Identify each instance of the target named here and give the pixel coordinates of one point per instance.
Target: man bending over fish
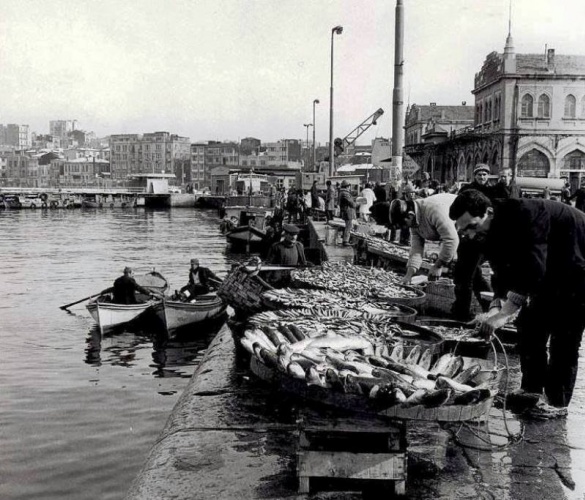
(536, 249)
(428, 219)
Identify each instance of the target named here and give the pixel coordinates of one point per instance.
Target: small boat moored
(176, 314)
(109, 315)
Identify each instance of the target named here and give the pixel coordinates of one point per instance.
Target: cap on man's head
(344, 183)
(195, 261)
(290, 228)
(127, 270)
(481, 167)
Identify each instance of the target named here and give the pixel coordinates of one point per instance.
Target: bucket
(330, 235)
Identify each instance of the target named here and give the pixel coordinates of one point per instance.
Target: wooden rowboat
(175, 315)
(109, 315)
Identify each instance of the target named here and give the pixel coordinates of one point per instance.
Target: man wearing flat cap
(346, 210)
(467, 274)
(201, 279)
(287, 252)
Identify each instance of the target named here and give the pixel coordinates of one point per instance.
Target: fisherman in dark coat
(467, 274)
(536, 249)
(201, 279)
(288, 252)
(125, 288)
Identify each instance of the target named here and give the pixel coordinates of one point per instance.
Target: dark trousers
(329, 214)
(561, 321)
(468, 277)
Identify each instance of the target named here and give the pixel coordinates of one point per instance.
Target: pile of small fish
(298, 297)
(355, 280)
(457, 333)
(352, 364)
(323, 321)
(387, 247)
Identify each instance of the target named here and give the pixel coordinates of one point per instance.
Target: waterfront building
(286, 152)
(158, 152)
(249, 146)
(529, 117)
(78, 172)
(198, 165)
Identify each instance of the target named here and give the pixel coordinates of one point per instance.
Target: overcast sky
(228, 69)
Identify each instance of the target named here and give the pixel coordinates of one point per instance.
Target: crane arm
(342, 144)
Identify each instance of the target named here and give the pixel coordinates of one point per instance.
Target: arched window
(533, 164)
(497, 108)
(543, 106)
(583, 107)
(575, 160)
(489, 109)
(485, 112)
(480, 120)
(527, 105)
(570, 105)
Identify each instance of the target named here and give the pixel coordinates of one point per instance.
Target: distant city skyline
(225, 70)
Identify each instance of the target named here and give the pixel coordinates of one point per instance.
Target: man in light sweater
(428, 219)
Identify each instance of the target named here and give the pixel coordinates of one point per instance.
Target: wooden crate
(362, 449)
(440, 297)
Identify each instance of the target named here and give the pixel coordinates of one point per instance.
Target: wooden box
(351, 447)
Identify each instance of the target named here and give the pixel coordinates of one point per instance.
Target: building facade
(158, 152)
(529, 117)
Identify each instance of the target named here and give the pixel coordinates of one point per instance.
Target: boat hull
(176, 315)
(109, 315)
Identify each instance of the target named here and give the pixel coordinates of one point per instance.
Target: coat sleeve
(417, 246)
(302, 258)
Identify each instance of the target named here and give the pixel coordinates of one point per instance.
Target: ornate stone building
(529, 116)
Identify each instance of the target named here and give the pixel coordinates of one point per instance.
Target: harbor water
(79, 412)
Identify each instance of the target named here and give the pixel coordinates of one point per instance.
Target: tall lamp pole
(315, 101)
(337, 30)
(307, 125)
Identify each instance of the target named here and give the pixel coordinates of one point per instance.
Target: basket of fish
(358, 281)
(242, 289)
(349, 372)
(381, 331)
(301, 298)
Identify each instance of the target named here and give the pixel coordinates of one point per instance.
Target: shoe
(544, 411)
(521, 401)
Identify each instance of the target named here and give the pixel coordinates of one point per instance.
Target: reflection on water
(79, 411)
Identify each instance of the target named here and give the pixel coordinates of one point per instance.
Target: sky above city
(229, 69)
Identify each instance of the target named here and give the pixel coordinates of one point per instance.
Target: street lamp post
(336, 30)
(315, 101)
(307, 125)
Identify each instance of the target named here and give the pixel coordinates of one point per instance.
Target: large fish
(448, 383)
(273, 335)
(472, 397)
(426, 359)
(441, 363)
(287, 333)
(248, 344)
(397, 353)
(333, 380)
(436, 397)
(468, 374)
(340, 343)
(258, 335)
(297, 332)
(313, 377)
(296, 371)
(414, 355)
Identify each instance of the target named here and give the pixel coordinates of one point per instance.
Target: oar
(66, 306)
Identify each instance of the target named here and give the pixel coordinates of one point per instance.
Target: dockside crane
(305, 179)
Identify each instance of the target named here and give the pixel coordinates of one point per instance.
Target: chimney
(550, 58)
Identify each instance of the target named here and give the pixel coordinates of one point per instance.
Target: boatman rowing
(125, 288)
(201, 279)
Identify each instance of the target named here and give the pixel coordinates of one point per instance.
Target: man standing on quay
(347, 210)
(467, 274)
(536, 249)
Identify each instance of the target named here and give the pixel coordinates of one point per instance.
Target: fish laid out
(319, 320)
(300, 298)
(355, 281)
(353, 364)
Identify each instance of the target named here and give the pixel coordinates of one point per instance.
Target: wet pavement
(232, 436)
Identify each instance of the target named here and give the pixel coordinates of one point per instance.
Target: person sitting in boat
(288, 252)
(125, 288)
(201, 281)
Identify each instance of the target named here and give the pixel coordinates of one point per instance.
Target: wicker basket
(440, 296)
(243, 291)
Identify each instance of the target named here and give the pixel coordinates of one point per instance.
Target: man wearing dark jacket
(346, 210)
(467, 273)
(536, 249)
(289, 252)
(125, 288)
(200, 280)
